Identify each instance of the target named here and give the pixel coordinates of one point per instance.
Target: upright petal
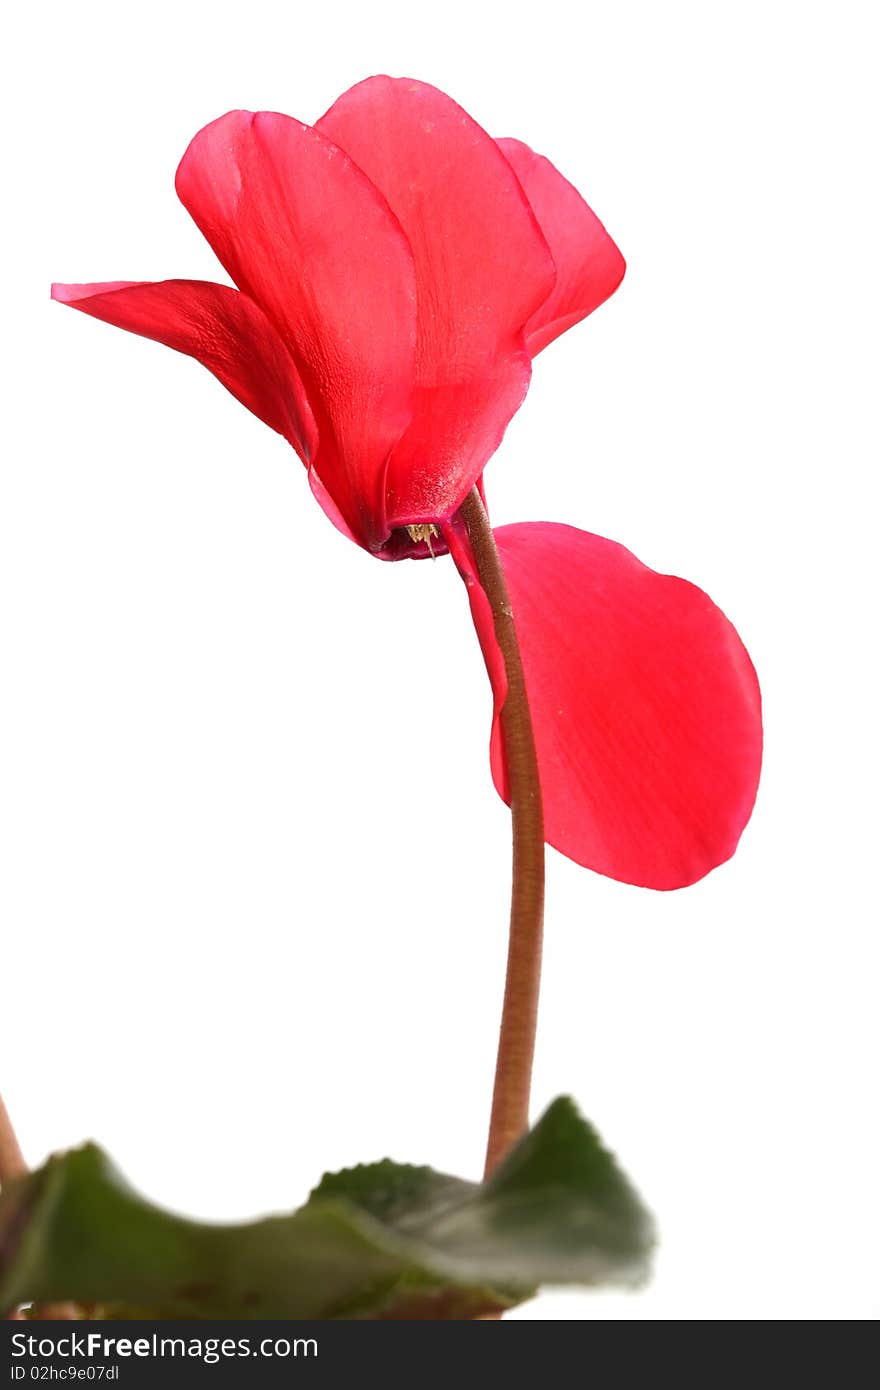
(482, 268)
(303, 231)
(589, 265)
(222, 329)
(646, 707)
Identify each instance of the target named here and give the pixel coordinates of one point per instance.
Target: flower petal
(589, 265)
(303, 232)
(646, 707)
(482, 268)
(222, 329)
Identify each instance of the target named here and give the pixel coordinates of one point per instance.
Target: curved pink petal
(329, 507)
(589, 265)
(303, 232)
(482, 268)
(222, 329)
(646, 707)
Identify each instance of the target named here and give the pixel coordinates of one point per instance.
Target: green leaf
(379, 1241)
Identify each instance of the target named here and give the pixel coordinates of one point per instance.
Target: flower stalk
(12, 1166)
(519, 1014)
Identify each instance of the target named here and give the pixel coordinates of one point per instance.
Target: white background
(254, 873)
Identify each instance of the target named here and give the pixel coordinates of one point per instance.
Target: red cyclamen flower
(397, 270)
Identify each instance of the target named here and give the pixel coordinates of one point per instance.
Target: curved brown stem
(12, 1164)
(519, 1015)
